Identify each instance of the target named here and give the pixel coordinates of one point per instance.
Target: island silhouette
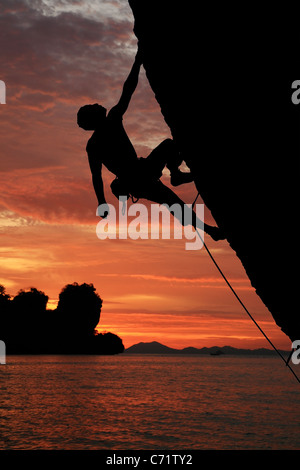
(28, 327)
(155, 347)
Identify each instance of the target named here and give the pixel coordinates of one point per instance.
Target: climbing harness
(244, 307)
(133, 199)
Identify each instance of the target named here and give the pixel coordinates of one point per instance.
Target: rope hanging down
(243, 305)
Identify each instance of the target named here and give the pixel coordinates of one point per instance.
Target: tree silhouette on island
(27, 327)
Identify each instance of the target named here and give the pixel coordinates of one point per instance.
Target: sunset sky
(56, 56)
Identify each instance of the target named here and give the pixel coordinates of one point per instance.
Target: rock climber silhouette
(139, 177)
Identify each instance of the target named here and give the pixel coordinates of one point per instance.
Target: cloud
(105, 10)
(49, 195)
(65, 56)
(57, 57)
(205, 282)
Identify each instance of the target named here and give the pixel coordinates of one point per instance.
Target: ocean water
(146, 402)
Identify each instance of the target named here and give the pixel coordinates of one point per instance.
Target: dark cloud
(61, 56)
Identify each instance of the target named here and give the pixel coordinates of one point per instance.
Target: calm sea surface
(148, 402)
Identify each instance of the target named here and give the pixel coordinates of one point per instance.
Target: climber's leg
(166, 154)
(158, 192)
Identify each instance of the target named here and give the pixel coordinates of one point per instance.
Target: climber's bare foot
(179, 177)
(216, 233)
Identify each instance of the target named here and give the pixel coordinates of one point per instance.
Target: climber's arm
(129, 86)
(96, 170)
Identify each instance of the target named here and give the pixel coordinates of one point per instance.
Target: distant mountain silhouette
(157, 348)
(151, 348)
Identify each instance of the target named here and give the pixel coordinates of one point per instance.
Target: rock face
(223, 81)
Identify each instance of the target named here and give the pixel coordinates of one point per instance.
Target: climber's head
(91, 116)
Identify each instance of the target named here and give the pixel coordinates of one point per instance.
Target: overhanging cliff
(223, 82)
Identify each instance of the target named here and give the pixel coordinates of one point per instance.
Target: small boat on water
(218, 352)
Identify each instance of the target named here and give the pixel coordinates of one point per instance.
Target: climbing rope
(237, 297)
(195, 200)
(243, 305)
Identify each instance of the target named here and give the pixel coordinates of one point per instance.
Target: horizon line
(204, 347)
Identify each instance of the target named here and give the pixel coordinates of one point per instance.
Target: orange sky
(59, 56)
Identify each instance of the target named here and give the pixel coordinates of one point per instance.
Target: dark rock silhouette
(27, 327)
(28, 316)
(79, 308)
(221, 78)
